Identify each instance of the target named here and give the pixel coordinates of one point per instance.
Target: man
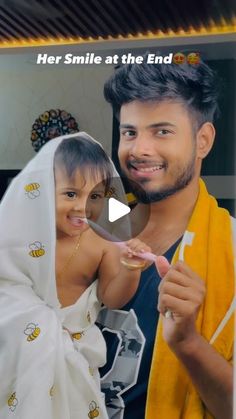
(174, 362)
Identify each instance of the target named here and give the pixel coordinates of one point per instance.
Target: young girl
(55, 272)
(83, 174)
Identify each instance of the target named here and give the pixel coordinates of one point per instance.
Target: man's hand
(182, 292)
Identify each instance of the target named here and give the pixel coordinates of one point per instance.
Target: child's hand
(131, 251)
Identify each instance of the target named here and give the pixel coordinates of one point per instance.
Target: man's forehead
(150, 112)
(152, 104)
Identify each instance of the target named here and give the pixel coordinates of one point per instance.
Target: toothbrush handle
(100, 230)
(145, 255)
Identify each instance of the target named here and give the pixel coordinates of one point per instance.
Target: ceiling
(45, 22)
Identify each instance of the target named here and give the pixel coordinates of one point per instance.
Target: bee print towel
(49, 355)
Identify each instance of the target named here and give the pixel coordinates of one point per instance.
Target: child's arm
(119, 273)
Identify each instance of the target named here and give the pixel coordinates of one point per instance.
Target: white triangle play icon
(116, 210)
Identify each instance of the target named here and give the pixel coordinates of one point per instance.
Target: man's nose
(141, 146)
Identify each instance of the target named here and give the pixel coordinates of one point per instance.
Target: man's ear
(205, 139)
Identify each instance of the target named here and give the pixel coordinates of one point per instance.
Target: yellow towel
(171, 394)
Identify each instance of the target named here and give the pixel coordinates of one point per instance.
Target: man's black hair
(195, 86)
(80, 153)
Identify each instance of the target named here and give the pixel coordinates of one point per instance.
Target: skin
(76, 199)
(167, 170)
(116, 284)
(161, 136)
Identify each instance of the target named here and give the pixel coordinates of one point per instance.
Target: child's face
(77, 199)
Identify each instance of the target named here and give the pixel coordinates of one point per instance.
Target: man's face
(157, 147)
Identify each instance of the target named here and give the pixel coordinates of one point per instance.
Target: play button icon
(109, 215)
(116, 209)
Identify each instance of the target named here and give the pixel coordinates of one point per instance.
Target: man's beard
(148, 197)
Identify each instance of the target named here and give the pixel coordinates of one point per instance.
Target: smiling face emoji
(193, 58)
(179, 58)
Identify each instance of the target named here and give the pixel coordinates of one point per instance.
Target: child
(82, 176)
(49, 295)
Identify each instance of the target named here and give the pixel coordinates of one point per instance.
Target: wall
(27, 90)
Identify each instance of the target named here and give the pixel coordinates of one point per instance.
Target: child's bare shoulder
(101, 247)
(94, 241)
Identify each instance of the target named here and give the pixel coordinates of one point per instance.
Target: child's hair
(85, 155)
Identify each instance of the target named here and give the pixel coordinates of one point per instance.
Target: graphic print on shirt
(12, 402)
(124, 370)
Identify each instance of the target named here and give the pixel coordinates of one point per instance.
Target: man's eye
(163, 132)
(70, 194)
(128, 133)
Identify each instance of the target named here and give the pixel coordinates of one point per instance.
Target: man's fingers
(162, 265)
(182, 267)
(181, 292)
(180, 308)
(181, 279)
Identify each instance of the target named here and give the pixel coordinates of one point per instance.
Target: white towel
(44, 374)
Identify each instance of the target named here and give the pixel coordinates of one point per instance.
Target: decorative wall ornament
(51, 124)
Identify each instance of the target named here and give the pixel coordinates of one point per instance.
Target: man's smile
(144, 168)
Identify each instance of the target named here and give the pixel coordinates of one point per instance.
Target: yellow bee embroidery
(32, 331)
(91, 371)
(32, 190)
(77, 335)
(51, 391)
(36, 249)
(88, 317)
(93, 410)
(12, 402)
(111, 193)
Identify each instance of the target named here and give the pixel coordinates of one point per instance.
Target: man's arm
(182, 292)
(211, 374)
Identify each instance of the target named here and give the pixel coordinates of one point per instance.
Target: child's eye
(95, 196)
(70, 194)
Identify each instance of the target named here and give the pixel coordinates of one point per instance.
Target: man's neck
(169, 218)
(177, 207)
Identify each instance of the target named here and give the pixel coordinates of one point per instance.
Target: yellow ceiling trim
(224, 28)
